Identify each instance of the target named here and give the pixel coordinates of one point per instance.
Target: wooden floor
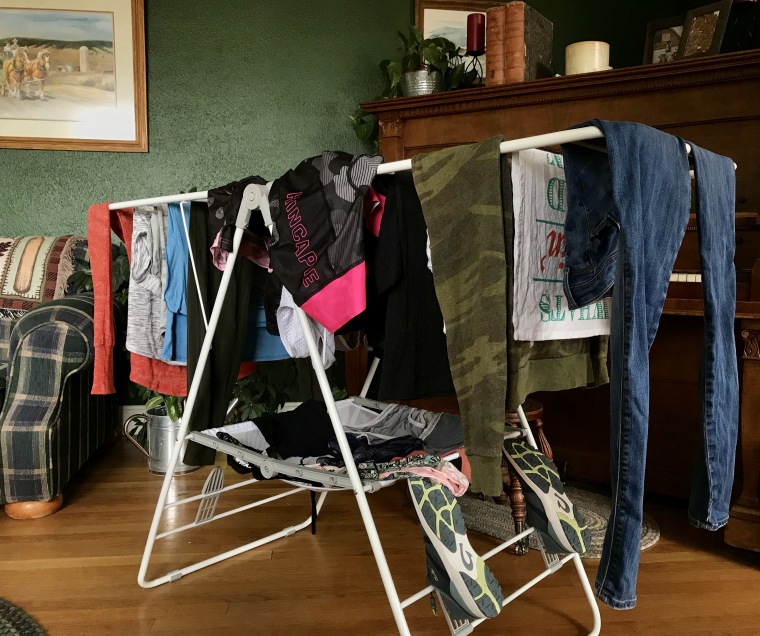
(75, 571)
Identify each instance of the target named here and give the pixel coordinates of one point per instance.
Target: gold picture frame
(83, 83)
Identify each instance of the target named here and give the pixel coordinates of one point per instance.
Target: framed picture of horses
(73, 75)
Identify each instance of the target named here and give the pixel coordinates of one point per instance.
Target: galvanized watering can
(155, 435)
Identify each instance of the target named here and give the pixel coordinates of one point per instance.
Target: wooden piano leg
(743, 529)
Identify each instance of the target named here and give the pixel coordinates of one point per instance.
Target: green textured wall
(235, 87)
(240, 87)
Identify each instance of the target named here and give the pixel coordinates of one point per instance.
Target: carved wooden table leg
(743, 529)
(533, 411)
(516, 500)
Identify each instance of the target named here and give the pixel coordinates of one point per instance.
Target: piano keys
(685, 291)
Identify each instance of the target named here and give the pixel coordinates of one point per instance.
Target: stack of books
(518, 44)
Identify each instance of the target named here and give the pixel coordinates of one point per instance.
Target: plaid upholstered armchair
(50, 425)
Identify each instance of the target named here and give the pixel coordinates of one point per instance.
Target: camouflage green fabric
(459, 189)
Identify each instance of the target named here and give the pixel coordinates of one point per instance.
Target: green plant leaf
(339, 394)
(154, 402)
(77, 278)
(470, 78)
(394, 71)
(364, 124)
(415, 36)
(142, 393)
(456, 77)
(174, 408)
(124, 269)
(432, 54)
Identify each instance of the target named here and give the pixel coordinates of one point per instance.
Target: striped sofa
(50, 425)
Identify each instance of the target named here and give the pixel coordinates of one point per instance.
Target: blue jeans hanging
(627, 214)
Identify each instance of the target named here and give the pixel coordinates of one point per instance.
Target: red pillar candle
(476, 34)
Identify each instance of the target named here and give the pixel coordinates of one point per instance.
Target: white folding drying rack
(256, 197)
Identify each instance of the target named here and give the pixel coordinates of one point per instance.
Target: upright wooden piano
(712, 101)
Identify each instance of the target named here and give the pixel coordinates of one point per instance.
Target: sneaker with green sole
(454, 567)
(548, 508)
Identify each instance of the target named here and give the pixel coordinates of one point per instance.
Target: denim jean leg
(646, 253)
(616, 576)
(632, 212)
(651, 187)
(718, 378)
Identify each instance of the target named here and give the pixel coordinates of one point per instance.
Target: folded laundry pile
(397, 442)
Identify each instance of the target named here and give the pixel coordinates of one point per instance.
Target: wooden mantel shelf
(712, 101)
(728, 67)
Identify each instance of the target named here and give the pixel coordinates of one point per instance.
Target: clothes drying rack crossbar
(256, 198)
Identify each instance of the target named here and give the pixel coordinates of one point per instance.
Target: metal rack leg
(191, 398)
(361, 497)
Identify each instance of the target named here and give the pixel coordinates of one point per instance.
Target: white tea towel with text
(540, 310)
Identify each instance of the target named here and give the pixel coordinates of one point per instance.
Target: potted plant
(265, 391)
(427, 65)
(424, 66)
(160, 404)
(154, 432)
(81, 280)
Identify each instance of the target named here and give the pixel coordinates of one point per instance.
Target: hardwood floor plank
(76, 571)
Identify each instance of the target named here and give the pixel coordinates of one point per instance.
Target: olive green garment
(460, 192)
(472, 262)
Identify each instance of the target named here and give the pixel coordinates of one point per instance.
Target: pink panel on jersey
(340, 300)
(374, 205)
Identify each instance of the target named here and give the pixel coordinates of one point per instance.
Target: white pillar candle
(587, 57)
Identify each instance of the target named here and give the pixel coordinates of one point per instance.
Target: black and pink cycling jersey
(318, 248)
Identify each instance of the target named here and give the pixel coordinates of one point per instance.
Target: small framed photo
(703, 30)
(663, 39)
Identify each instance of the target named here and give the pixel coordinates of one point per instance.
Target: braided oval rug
(16, 622)
(495, 520)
